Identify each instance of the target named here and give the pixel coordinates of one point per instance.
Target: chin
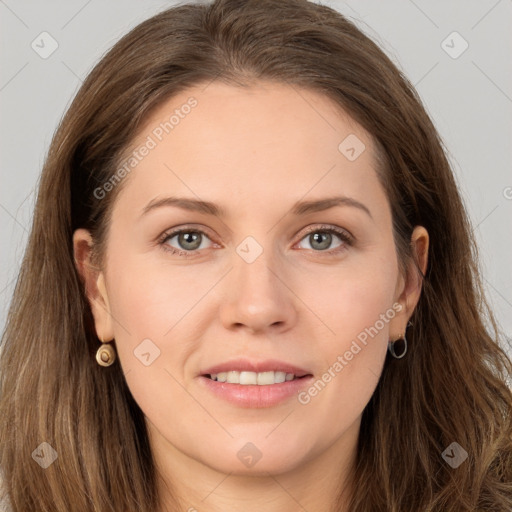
(248, 459)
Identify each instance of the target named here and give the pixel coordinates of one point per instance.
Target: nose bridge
(254, 272)
(257, 297)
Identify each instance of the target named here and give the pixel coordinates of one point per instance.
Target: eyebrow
(209, 208)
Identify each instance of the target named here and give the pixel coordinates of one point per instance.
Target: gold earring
(106, 354)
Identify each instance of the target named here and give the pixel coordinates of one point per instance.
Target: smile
(252, 378)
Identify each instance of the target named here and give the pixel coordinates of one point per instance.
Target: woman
(181, 340)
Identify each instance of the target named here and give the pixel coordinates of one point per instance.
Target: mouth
(248, 378)
(248, 372)
(255, 385)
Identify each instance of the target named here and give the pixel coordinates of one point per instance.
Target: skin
(255, 152)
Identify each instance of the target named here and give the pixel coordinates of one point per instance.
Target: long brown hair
(452, 385)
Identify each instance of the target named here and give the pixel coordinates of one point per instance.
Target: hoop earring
(398, 348)
(106, 354)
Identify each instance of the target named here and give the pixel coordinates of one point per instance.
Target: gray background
(469, 99)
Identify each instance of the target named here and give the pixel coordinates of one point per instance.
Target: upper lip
(245, 365)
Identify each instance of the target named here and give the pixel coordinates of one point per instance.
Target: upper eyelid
(327, 227)
(171, 233)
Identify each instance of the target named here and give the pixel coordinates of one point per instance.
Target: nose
(258, 297)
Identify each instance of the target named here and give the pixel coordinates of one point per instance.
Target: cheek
(357, 305)
(360, 302)
(159, 309)
(352, 296)
(151, 302)
(150, 295)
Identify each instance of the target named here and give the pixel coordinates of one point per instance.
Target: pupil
(189, 238)
(326, 242)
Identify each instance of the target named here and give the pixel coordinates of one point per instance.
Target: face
(277, 280)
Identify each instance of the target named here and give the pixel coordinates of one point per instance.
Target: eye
(320, 238)
(188, 241)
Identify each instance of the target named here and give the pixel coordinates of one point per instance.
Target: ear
(409, 287)
(413, 281)
(94, 282)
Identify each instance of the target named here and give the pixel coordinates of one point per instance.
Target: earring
(398, 348)
(106, 354)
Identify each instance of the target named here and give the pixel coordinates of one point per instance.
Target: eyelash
(345, 237)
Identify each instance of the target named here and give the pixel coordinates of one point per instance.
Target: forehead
(245, 143)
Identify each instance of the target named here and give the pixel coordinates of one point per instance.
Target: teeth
(247, 378)
(253, 378)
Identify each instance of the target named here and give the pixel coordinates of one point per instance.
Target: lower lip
(253, 396)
